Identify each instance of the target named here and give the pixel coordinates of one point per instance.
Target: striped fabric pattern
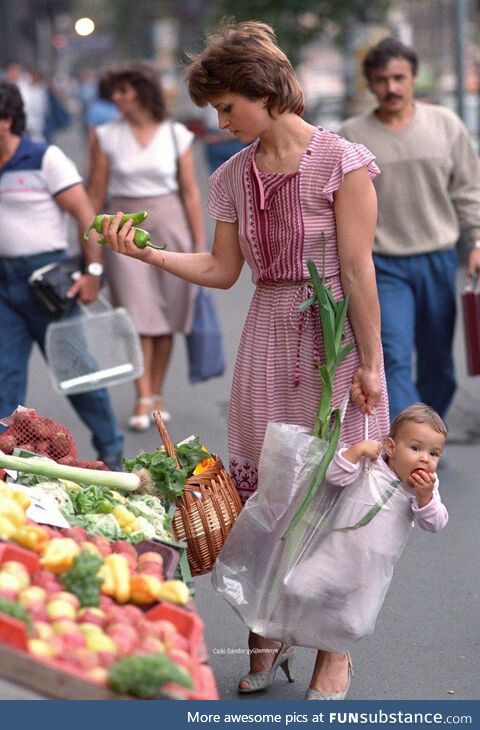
(282, 220)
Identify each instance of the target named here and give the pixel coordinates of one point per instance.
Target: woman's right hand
(366, 389)
(120, 240)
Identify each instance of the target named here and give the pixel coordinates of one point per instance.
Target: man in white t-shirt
(38, 186)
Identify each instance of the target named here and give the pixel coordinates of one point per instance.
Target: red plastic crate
(10, 551)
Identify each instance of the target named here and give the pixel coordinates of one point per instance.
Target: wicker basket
(205, 511)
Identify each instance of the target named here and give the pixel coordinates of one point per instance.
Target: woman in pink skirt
(297, 192)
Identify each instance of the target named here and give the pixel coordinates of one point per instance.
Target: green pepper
(97, 223)
(141, 239)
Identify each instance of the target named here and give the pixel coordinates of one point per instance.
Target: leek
(111, 479)
(327, 422)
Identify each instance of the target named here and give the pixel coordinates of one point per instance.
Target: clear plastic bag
(323, 585)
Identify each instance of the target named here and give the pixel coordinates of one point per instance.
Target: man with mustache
(429, 191)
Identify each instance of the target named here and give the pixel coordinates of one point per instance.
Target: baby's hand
(369, 449)
(423, 482)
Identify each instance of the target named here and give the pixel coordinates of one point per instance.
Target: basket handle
(167, 442)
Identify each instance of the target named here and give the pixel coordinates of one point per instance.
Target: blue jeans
(417, 301)
(23, 321)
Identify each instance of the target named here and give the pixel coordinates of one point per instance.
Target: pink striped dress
(282, 219)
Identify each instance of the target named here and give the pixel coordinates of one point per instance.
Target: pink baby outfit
(282, 222)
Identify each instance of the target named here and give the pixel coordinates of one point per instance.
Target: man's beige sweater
(429, 187)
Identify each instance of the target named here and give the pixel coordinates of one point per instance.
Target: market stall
(96, 590)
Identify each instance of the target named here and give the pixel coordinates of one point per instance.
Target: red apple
(99, 675)
(106, 658)
(73, 640)
(40, 647)
(60, 609)
(125, 645)
(43, 630)
(150, 557)
(132, 613)
(179, 656)
(102, 544)
(10, 586)
(106, 602)
(124, 548)
(33, 597)
(151, 645)
(118, 627)
(14, 567)
(84, 658)
(92, 615)
(66, 596)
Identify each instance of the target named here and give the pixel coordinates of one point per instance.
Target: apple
(73, 640)
(88, 628)
(88, 546)
(92, 615)
(125, 645)
(106, 658)
(32, 597)
(13, 567)
(84, 658)
(132, 613)
(98, 675)
(115, 613)
(179, 656)
(79, 534)
(124, 548)
(151, 568)
(43, 630)
(98, 641)
(58, 609)
(151, 645)
(106, 602)
(40, 647)
(10, 585)
(162, 629)
(102, 544)
(64, 626)
(150, 557)
(122, 628)
(66, 596)
(39, 613)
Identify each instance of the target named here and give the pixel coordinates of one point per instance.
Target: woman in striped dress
(296, 192)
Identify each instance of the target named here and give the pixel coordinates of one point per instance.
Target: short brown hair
(389, 48)
(245, 59)
(145, 78)
(418, 413)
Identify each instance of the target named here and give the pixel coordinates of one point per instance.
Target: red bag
(471, 322)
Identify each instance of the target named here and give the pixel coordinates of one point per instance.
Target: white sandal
(318, 694)
(264, 679)
(164, 414)
(143, 421)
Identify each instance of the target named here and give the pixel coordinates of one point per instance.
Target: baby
(412, 451)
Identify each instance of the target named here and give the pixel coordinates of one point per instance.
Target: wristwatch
(95, 269)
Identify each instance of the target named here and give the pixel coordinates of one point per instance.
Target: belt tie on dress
(305, 316)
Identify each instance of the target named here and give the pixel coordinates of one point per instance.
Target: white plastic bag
(323, 585)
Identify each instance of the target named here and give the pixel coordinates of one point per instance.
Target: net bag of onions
(41, 435)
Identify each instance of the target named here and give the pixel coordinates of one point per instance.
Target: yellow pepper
(126, 519)
(144, 588)
(7, 528)
(16, 494)
(59, 554)
(11, 510)
(204, 464)
(174, 591)
(116, 577)
(33, 537)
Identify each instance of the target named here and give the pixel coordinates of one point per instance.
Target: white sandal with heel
(318, 694)
(141, 421)
(264, 679)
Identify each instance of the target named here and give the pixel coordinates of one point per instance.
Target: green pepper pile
(82, 578)
(144, 675)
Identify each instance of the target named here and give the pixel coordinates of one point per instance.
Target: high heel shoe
(141, 421)
(261, 680)
(318, 694)
(158, 406)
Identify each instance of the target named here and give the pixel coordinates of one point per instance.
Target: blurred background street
(427, 641)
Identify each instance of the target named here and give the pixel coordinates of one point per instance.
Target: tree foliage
(296, 22)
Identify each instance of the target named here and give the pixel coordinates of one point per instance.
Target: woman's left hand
(121, 240)
(366, 389)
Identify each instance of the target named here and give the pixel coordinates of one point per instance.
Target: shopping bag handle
(100, 298)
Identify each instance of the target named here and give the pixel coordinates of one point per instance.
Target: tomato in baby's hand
(421, 473)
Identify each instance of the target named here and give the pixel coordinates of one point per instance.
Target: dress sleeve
(220, 204)
(348, 156)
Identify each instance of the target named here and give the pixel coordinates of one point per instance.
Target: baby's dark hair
(418, 413)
